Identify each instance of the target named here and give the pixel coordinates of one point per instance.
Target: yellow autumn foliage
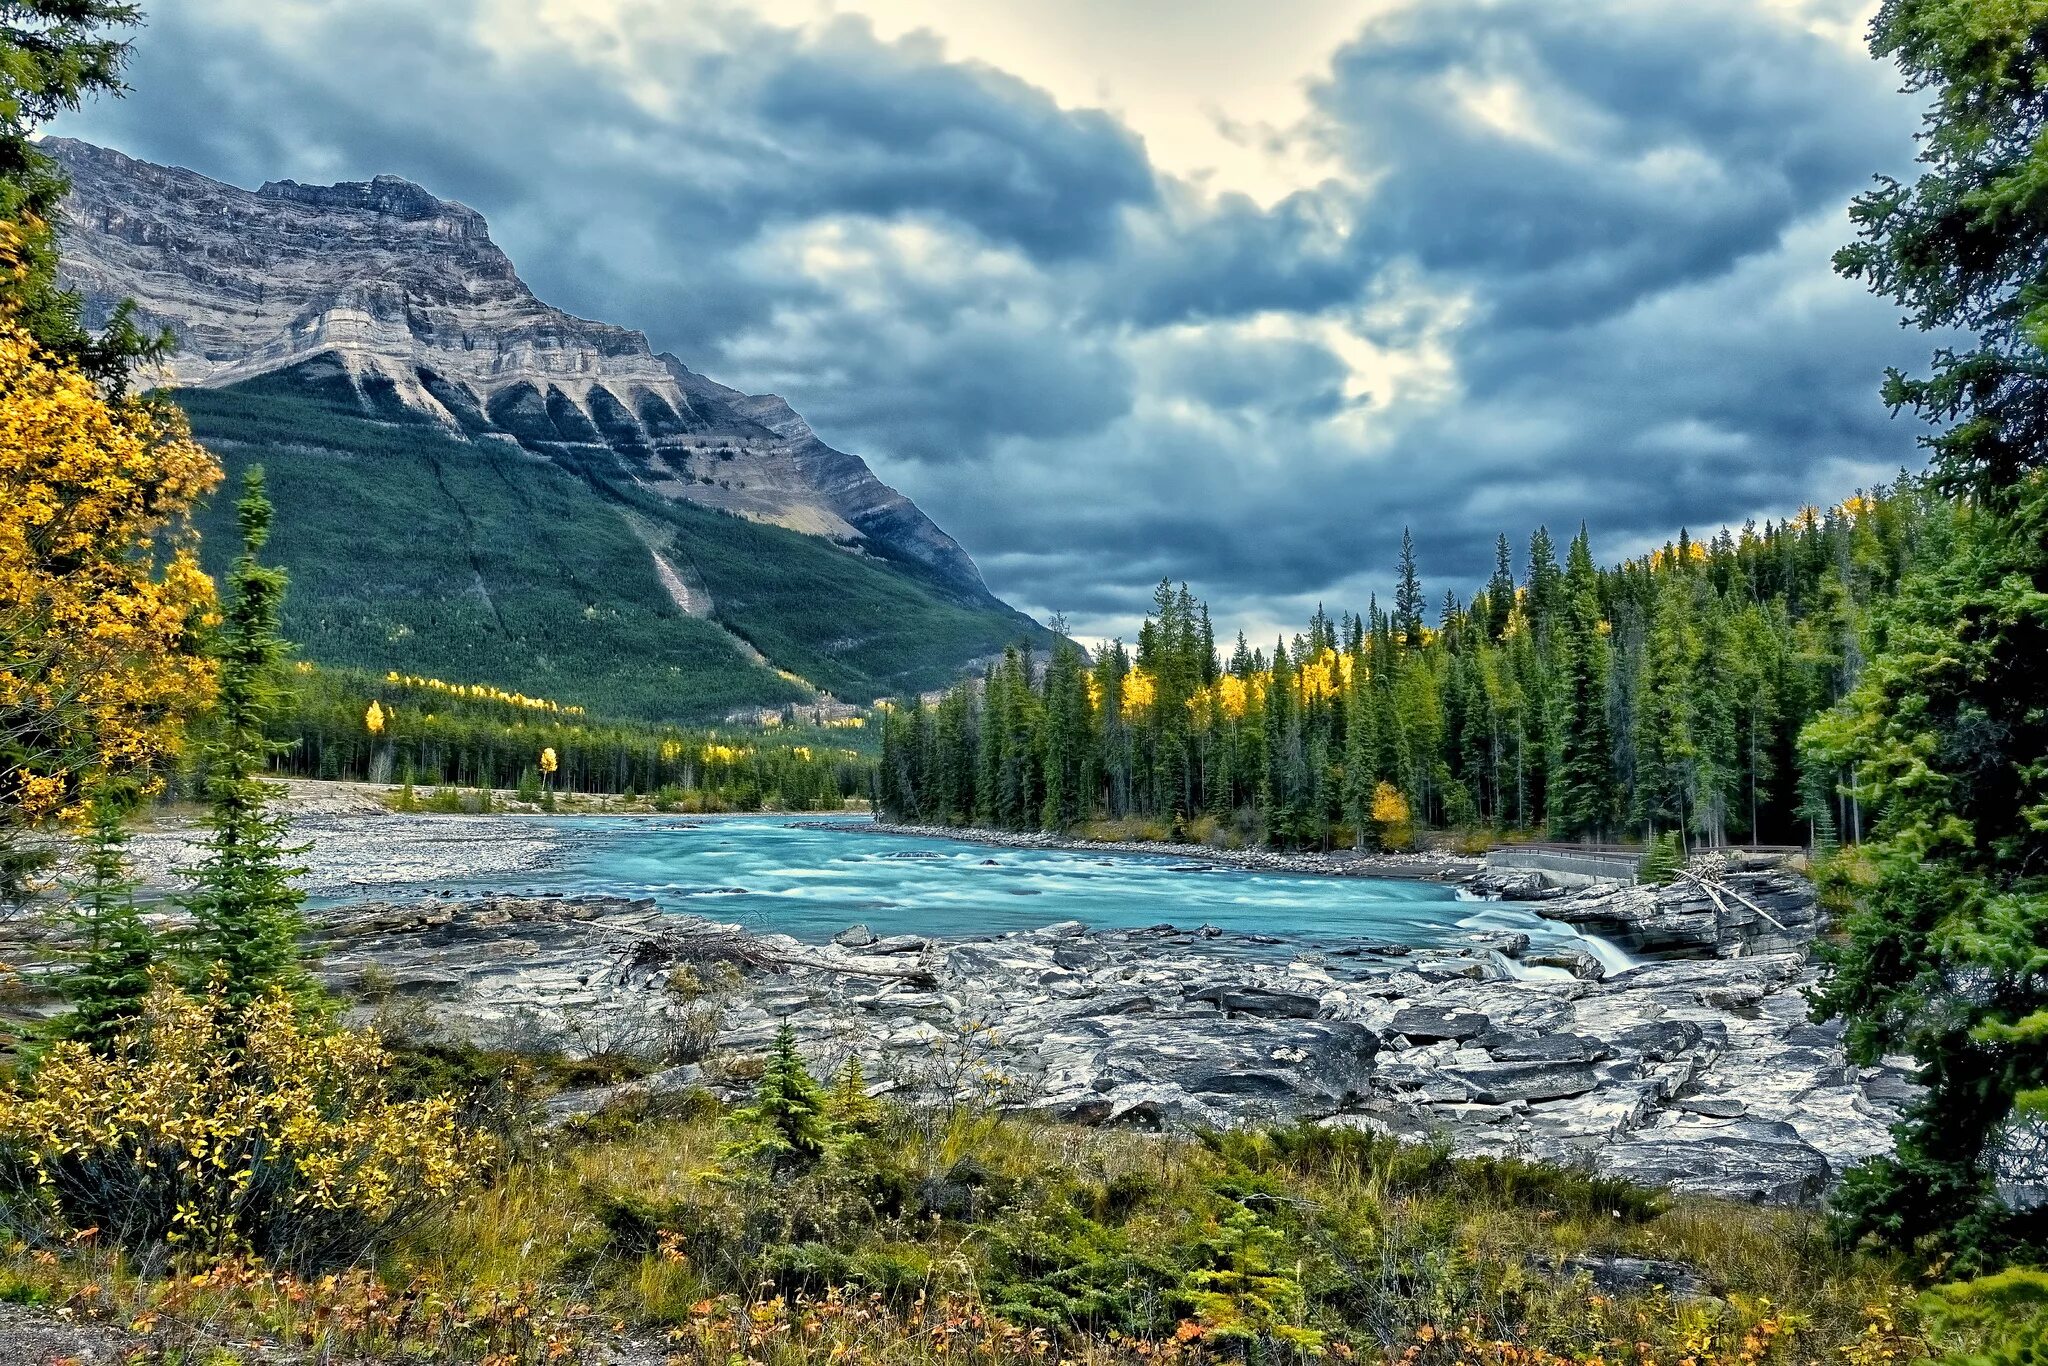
(1317, 679)
(217, 1131)
(373, 718)
(1667, 556)
(99, 666)
(1233, 695)
(1141, 690)
(482, 692)
(1391, 814)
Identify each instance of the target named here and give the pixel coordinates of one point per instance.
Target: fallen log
(1714, 890)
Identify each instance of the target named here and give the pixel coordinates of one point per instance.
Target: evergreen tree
(1408, 601)
(1663, 860)
(1580, 771)
(1546, 585)
(116, 951)
(1945, 729)
(1671, 688)
(1067, 738)
(789, 1123)
(245, 910)
(54, 55)
(1500, 589)
(851, 1109)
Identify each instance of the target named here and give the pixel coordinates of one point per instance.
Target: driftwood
(1714, 890)
(704, 941)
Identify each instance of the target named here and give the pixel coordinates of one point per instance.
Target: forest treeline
(398, 728)
(1666, 693)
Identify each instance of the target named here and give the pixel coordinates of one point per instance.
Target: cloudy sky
(1227, 290)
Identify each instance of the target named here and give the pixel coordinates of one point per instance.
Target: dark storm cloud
(888, 132)
(1289, 378)
(1591, 236)
(1573, 157)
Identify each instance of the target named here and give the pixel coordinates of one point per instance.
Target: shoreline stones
(1747, 911)
(1701, 1074)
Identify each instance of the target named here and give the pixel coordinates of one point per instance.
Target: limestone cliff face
(387, 293)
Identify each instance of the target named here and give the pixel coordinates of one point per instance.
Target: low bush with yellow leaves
(211, 1131)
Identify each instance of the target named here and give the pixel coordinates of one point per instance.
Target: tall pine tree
(1946, 732)
(1581, 796)
(245, 909)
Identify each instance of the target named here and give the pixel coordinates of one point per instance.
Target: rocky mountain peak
(388, 195)
(382, 295)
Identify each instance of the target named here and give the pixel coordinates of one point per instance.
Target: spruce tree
(1946, 731)
(1546, 585)
(789, 1123)
(1581, 795)
(115, 951)
(1667, 716)
(1408, 603)
(1500, 589)
(54, 55)
(245, 910)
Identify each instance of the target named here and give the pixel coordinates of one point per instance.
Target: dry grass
(967, 1235)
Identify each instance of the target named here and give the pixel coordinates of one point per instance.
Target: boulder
(1548, 1048)
(1577, 962)
(1613, 1273)
(1509, 943)
(1498, 1083)
(1428, 1024)
(855, 937)
(1455, 969)
(1264, 1001)
(1657, 1040)
(900, 943)
(1519, 884)
(1764, 1162)
(1737, 998)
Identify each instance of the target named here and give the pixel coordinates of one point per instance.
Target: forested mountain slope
(470, 482)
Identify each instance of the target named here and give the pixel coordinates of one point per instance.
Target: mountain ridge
(472, 483)
(404, 297)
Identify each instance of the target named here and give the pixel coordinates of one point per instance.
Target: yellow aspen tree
(100, 659)
(1391, 814)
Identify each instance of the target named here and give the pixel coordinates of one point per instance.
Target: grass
(970, 1235)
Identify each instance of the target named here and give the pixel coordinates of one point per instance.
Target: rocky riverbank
(1700, 1074)
(358, 846)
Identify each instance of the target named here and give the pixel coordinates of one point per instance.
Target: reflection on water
(778, 873)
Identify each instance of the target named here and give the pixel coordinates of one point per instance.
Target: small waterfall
(1612, 956)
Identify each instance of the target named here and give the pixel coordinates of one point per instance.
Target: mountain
(472, 482)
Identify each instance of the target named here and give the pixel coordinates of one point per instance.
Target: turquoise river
(812, 878)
